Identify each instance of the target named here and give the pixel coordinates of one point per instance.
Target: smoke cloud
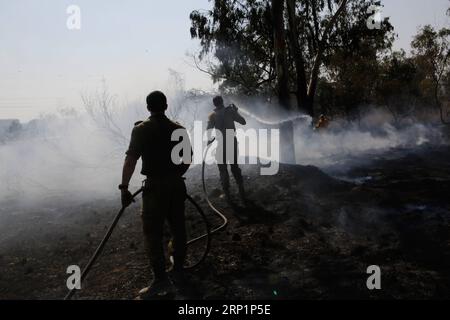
(78, 155)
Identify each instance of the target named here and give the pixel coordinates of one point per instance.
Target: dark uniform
(165, 191)
(222, 119)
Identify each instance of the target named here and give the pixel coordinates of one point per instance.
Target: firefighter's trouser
(163, 199)
(232, 160)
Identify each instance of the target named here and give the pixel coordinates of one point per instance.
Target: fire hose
(207, 235)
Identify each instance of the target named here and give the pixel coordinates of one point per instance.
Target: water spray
(275, 123)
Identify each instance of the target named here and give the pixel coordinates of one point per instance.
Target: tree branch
(318, 59)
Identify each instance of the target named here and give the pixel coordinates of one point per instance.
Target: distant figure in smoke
(323, 123)
(222, 119)
(164, 190)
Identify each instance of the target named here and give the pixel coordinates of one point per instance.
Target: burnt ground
(306, 235)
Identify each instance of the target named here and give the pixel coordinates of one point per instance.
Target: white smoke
(374, 133)
(68, 157)
(79, 155)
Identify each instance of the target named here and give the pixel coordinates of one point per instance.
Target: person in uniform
(223, 119)
(164, 189)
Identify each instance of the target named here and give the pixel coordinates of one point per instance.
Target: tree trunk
(312, 87)
(287, 146)
(279, 42)
(303, 101)
(439, 104)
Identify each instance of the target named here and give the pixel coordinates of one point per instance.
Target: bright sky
(132, 44)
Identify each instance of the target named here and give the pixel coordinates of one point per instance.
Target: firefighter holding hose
(223, 119)
(164, 190)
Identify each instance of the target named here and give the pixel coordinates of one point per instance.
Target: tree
(280, 54)
(353, 68)
(431, 51)
(182, 102)
(286, 48)
(254, 42)
(397, 88)
(239, 36)
(100, 106)
(319, 43)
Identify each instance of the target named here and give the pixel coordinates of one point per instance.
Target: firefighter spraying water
(222, 119)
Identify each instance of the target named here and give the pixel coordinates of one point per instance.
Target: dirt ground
(305, 235)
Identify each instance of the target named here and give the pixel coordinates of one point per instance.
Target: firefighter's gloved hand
(126, 197)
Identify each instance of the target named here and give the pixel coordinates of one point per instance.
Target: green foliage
(240, 36)
(352, 64)
(431, 51)
(431, 54)
(358, 66)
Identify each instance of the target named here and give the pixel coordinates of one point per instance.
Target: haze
(44, 66)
